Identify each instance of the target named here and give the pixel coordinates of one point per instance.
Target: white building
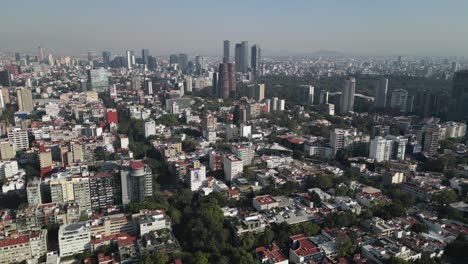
(153, 221)
(19, 137)
(454, 129)
(150, 128)
(244, 152)
(196, 175)
(8, 169)
(381, 149)
(233, 167)
(74, 239)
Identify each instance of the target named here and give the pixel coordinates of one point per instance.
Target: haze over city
(358, 27)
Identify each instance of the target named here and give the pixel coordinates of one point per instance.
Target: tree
(201, 258)
(396, 260)
(315, 198)
(457, 250)
(324, 182)
(419, 228)
(444, 197)
(160, 257)
(344, 246)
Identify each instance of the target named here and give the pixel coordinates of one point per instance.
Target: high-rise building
(196, 175)
(25, 103)
(244, 56)
(431, 137)
(183, 62)
(74, 239)
(199, 65)
(256, 61)
(258, 92)
(399, 100)
(306, 94)
(149, 86)
(90, 57)
(380, 99)
(17, 56)
(137, 182)
(5, 78)
(381, 149)
(150, 128)
(214, 85)
(173, 59)
(98, 80)
(233, 167)
(323, 97)
(144, 56)
(106, 59)
(226, 48)
(151, 63)
(102, 191)
(238, 57)
(460, 95)
(129, 59)
(226, 81)
(347, 95)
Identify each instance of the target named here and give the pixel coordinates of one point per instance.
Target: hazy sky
(408, 27)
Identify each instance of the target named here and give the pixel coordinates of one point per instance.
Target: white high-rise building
(244, 152)
(281, 104)
(323, 97)
(380, 99)
(399, 100)
(129, 59)
(19, 137)
(196, 175)
(347, 96)
(399, 147)
(150, 128)
(381, 149)
(274, 104)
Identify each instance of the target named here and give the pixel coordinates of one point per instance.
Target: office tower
(144, 56)
(460, 95)
(106, 59)
(323, 97)
(90, 57)
(199, 65)
(51, 60)
(173, 59)
(381, 93)
(102, 191)
(5, 78)
(347, 95)
(151, 63)
(188, 84)
(214, 85)
(244, 56)
(399, 100)
(183, 62)
(137, 182)
(17, 56)
(25, 103)
(399, 147)
(98, 80)
(226, 48)
(258, 92)
(238, 57)
(149, 86)
(226, 81)
(27, 59)
(129, 59)
(306, 94)
(256, 61)
(41, 54)
(243, 152)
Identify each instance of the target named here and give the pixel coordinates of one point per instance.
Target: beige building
(7, 150)
(23, 247)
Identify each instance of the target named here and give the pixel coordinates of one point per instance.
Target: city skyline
(358, 28)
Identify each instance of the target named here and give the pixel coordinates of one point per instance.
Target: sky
(356, 27)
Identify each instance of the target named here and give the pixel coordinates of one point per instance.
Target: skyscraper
(460, 95)
(244, 56)
(41, 54)
(173, 59)
(136, 182)
(152, 63)
(199, 65)
(258, 92)
(144, 56)
(347, 96)
(129, 59)
(255, 60)
(306, 94)
(106, 59)
(381, 93)
(98, 80)
(226, 48)
(399, 100)
(90, 57)
(226, 81)
(5, 78)
(17, 56)
(183, 61)
(238, 57)
(25, 103)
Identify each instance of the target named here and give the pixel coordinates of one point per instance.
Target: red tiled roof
(14, 241)
(137, 165)
(265, 199)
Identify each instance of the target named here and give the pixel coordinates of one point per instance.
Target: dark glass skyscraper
(238, 57)
(255, 60)
(380, 99)
(245, 56)
(106, 58)
(226, 48)
(460, 94)
(144, 56)
(98, 80)
(17, 56)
